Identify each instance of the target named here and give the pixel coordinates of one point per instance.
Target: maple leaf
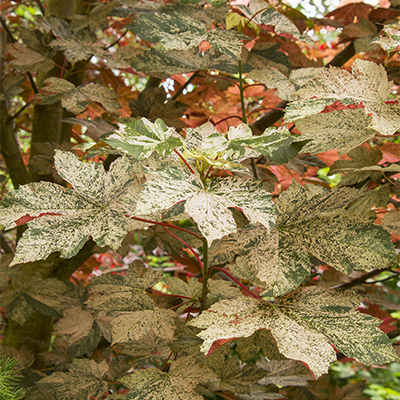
(306, 225)
(228, 42)
(178, 384)
(208, 206)
(367, 86)
(378, 197)
(124, 293)
(136, 325)
(95, 207)
(304, 323)
(29, 60)
(82, 329)
(76, 99)
(391, 222)
(173, 31)
(83, 380)
(34, 294)
(141, 137)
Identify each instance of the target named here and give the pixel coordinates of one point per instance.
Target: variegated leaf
(228, 42)
(29, 60)
(76, 99)
(174, 31)
(208, 206)
(136, 325)
(83, 381)
(343, 130)
(368, 88)
(304, 324)
(390, 40)
(140, 138)
(178, 384)
(96, 207)
(82, 329)
(391, 222)
(124, 293)
(378, 197)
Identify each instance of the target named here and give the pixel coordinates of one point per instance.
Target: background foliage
(288, 126)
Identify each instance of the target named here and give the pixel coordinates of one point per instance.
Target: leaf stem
(170, 295)
(184, 161)
(236, 281)
(184, 86)
(204, 293)
(244, 118)
(188, 246)
(224, 119)
(165, 224)
(166, 361)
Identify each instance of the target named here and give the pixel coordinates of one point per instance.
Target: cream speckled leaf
(142, 137)
(83, 331)
(391, 222)
(124, 292)
(95, 207)
(367, 86)
(228, 42)
(390, 40)
(76, 99)
(342, 130)
(304, 324)
(135, 325)
(178, 384)
(29, 60)
(208, 207)
(84, 380)
(173, 31)
(181, 288)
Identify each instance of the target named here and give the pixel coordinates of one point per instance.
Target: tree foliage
(237, 166)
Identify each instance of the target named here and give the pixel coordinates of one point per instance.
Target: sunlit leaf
(390, 40)
(304, 323)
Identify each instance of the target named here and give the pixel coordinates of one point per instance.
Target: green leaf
(76, 99)
(228, 42)
(208, 206)
(174, 31)
(140, 138)
(29, 60)
(83, 380)
(303, 324)
(96, 207)
(368, 88)
(178, 384)
(124, 293)
(136, 325)
(82, 329)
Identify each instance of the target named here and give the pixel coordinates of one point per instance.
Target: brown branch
(361, 279)
(184, 86)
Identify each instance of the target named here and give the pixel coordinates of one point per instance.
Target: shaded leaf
(303, 323)
(29, 60)
(83, 380)
(77, 99)
(378, 197)
(391, 222)
(228, 42)
(186, 341)
(178, 384)
(94, 208)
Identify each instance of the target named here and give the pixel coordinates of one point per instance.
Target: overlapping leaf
(228, 42)
(95, 207)
(304, 324)
(367, 88)
(178, 384)
(84, 380)
(391, 222)
(27, 59)
(208, 206)
(124, 293)
(76, 99)
(140, 138)
(280, 259)
(390, 40)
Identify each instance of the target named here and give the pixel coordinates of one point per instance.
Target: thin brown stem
(224, 119)
(166, 361)
(184, 86)
(184, 161)
(236, 281)
(361, 279)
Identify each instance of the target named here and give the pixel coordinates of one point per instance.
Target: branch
(361, 279)
(184, 86)
(4, 245)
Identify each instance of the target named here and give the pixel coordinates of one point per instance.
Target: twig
(254, 168)
(116, 42)
(236, 281)
(41, 8)
(395, 274)
(224, 119)
(188, 246)
(4, 245)
(361, 279)
(166, 361)
(184, 86)
(20, 110)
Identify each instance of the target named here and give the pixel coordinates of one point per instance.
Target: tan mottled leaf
(178, 384)
(83, 380)
(77, 99)
(390, 40)
(228, 42)
(378, 197)
(391, 222)
(136, 325)
(96, 207)
(29, 60)
(303, 324)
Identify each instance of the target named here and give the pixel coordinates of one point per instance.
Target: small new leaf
(304, 323)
